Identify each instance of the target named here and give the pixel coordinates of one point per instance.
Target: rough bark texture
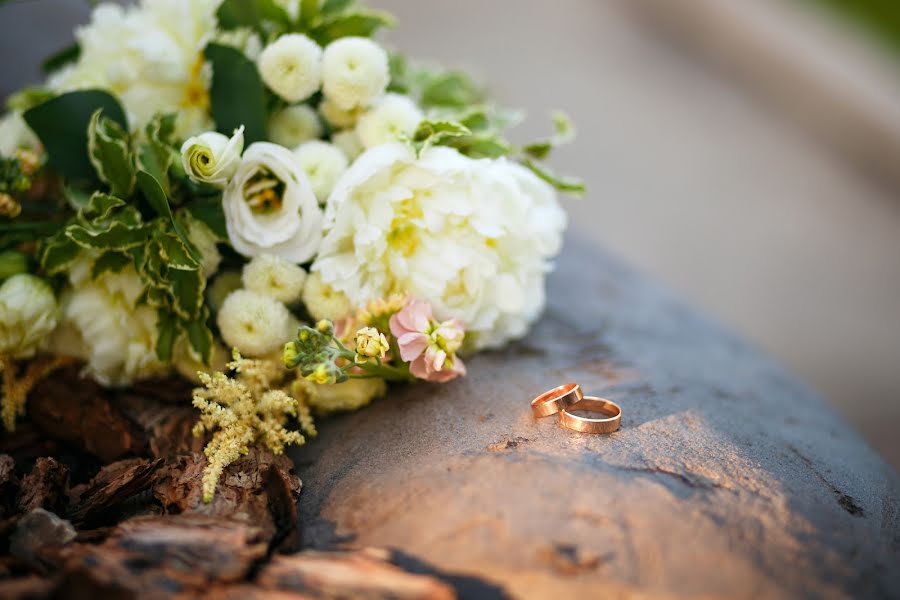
(728, 477)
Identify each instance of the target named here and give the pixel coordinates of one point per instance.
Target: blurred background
(746, 153)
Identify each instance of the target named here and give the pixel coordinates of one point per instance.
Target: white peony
(294, 125)
(118, 336)
(270, 207)
(15, 134)
(324, 302)
(150, 56)
(28, 314)
(337, 117)
(323, 164)
(354, 72)
(212, 157)
(472, 237)
(349, 144)
(274, 277)
(254, 324)
(292, 67)
(392, 118)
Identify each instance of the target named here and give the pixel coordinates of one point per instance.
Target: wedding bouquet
(258, 196)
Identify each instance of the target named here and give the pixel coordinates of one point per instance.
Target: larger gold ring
(607, 424)
(557, 399)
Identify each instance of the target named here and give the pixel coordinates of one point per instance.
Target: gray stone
(38, 529)
(727, 478)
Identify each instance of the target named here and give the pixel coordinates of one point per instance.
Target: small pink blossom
(429, 346)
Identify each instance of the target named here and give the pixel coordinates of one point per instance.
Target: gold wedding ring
(609, 423)
(556, 400)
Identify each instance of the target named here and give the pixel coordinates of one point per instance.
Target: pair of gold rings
(568, 398)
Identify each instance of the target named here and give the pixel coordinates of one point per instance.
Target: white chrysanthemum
(292, 67)
(15, 134)
(393, 117)
(254, 324)
(349, 144)
(337, 117)
(354, 72)
(323, 164)
(150, 56)
(472, 237)
(324, 302)
(203, 238)
(117, 334)
(270, 208)
(294, 125)
(221, 287)
(274, 277)
(28, 314)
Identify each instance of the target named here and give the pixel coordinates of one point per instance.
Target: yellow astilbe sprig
(245, 410)
(16, 386)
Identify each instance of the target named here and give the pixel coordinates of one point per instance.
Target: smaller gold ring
(608, 424)
(557, 399)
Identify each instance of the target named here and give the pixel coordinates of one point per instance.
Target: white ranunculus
(472, 237)
(291, 66)
(118, 336)
(354, 72)
(212, 157)
(294, 125)
(349, 143)
(323, 163)
(254, 324)
(274, 277)
(270, 207)
(392, 118)
(150, 56)
(28, 314)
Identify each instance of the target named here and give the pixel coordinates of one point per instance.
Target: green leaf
(487, 146)
(62, 126)
(450, 89)
(115, 235)
(200, 337)
(358, 22)
(309, 12)
(251, 13)
(61, 58)
(168, 328)
(100, 206)
(155, 195)
(209, 212)
(187, 292)
(330, 7)
(563, 133)
(431, 133)
(157, 154)
(109, 149)
(110, 261)
(28, 98)
(569, 185)
(237, 94)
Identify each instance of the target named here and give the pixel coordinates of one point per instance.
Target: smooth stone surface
(728, 477)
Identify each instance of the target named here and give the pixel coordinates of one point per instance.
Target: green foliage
(109, 150)
(157, 152)
(430, 133)
(28, 98)
(61, 58)
(350, 21)
(261, 15)
(566, 184)
(237, 94)
(61, 123)
(563, 133)
(209, 212)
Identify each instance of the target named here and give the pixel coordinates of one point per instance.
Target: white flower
(150, 56)
(221, 287)
(202, 237)
(28, 313)
(274, 277)
(270, 207)
(323, 163)
(474, 238)
(15, 134)
(324, 302)
(349, 395)
(337, 117)
(349, 143)
(212, 157)
(254, 324)
(242, 38)
(294, 125)
(393, 117)
(354, 72)
(292, 67)
(118, 336)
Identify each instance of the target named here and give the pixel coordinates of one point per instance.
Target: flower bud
(325, 326)
(370, 343)
(291, 355)
(211, 157)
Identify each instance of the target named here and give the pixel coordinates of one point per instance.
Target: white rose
(349, 143)
(28, 313)
(472, 237)
(274, 277)
(354, 72)
(324, 302)
(292, 67)
(294, 125)
(211, 157)
(393, 117)
(323, 163)
(270, 207)
(254, 324)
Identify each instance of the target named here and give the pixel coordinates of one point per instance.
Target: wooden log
(728, 478)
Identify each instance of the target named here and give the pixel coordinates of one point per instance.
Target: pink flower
(429, 346)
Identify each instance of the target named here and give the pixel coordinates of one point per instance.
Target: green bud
(291, 355)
